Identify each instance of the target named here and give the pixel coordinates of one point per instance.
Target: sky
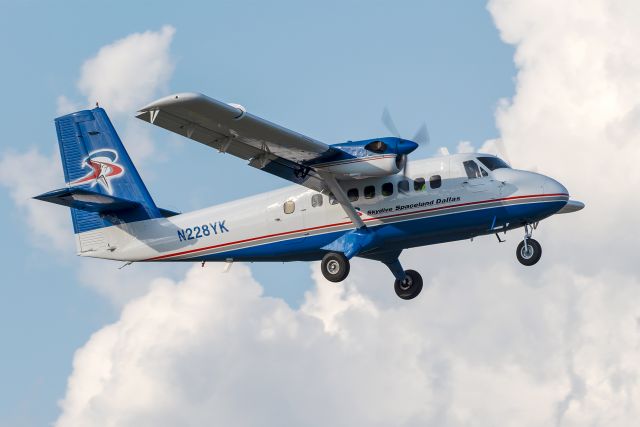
(487, 342)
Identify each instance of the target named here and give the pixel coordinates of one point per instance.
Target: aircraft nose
(551, 186)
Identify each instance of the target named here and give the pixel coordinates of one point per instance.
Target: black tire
(410, 287)
(335, 267)
(532, 256)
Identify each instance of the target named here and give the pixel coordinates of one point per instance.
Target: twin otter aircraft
(358, 198)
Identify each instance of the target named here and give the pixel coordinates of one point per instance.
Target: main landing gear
(408, 284)
(335, 267)
(529, 250)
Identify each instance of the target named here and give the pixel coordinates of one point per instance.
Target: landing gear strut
(529, 250)
(335, 267)
(408, 283)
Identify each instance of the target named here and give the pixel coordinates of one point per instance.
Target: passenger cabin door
(284, 223)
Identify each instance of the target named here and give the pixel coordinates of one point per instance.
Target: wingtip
(173, 99)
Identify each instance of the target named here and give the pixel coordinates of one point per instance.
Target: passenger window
(387, 189)
(289, 207)
(419, 184)
(403, 186)
(353, 194)
(369, 192)
(435, 181)
(316, 200)
(332, 199)
(484, 172)
(472, 169)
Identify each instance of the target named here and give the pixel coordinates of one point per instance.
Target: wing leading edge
(229, 128)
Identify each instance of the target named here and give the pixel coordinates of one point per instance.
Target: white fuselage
(292, 224)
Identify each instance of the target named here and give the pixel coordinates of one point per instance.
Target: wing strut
(342, 198)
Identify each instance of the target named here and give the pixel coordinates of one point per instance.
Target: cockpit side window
(472, 169)
(493, 163)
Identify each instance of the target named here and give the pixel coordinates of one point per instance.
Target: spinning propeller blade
(421, 137)
(387, 121)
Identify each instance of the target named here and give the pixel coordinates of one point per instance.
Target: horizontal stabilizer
(166, 213)
(87, 200)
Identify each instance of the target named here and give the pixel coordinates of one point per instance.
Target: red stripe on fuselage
(251, 239)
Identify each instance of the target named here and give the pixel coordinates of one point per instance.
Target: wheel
(410, 287)
(335, 267)
(531, 254)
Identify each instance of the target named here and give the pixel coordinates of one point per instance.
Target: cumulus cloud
(465, 147)
(123, 75)
(28, 174)
(127, 73)
(487, 343)
(574, 113)
(211, 346)
(120, 283)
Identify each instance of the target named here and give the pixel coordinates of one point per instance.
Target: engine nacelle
(363, 167)
(367, 159)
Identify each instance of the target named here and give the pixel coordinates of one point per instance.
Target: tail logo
(103, 168)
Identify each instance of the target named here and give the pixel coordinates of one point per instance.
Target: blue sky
(325, 69)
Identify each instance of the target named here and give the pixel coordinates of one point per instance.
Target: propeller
(387, 121)
(421, 137)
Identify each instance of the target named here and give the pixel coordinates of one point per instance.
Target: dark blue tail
(103, 185)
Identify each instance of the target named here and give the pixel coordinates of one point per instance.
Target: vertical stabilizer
(98, 168)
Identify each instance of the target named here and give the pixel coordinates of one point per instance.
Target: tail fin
(103, 185)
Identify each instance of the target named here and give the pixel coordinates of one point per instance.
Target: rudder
(95, 161)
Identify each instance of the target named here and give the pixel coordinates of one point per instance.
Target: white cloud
(120, 283)
(468, 351)
(573, 116)
(66, 105)
(126, 74)
(122, 76)
(465, 147)
(488, 343)
(29, 174)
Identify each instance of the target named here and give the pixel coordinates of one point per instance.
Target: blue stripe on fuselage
(398, 235)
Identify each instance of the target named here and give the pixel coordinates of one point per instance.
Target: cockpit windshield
(493, 163)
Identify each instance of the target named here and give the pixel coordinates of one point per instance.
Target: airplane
(353, 199)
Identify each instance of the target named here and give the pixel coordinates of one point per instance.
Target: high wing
(229, 128)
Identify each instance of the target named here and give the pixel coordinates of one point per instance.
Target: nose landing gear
(408, 283)
(529, 250)
(410, 286)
